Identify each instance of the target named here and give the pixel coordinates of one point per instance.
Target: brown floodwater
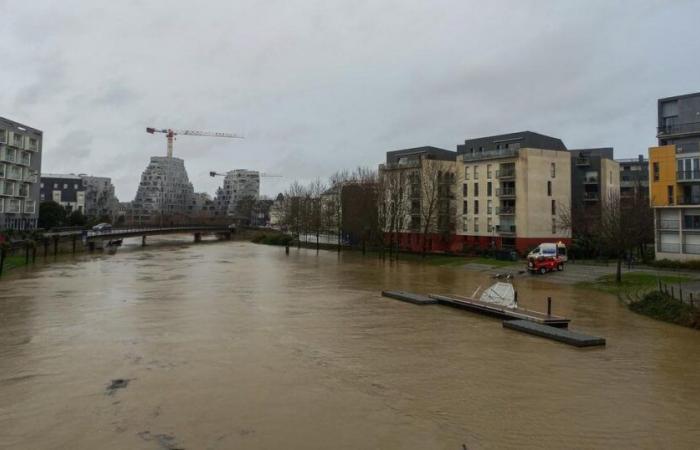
(239, 346)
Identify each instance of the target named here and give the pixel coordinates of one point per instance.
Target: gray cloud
(321, 86)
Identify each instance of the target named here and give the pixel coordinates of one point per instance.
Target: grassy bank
(12, 262)
(633, 285)
(661, 306)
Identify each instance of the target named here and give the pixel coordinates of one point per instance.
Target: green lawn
(634, 283)
(13, 261)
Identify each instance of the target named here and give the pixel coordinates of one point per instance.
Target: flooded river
(239, 346)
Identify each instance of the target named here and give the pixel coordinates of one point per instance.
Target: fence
(676, 292)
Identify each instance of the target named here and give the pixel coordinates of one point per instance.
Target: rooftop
(521, 139)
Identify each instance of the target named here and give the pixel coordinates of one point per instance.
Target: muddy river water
(239, 346)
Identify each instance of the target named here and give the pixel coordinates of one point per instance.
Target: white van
(549, 250)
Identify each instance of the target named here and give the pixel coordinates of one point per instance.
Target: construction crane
(266, 175)
(170, 135)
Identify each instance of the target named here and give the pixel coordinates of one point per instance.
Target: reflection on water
(235, 345)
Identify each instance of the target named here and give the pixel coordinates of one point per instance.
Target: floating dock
(501, 312)
(410, 297)
(557, 334)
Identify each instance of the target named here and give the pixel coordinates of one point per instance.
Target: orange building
(674, 178)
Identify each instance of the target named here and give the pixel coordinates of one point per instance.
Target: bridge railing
(137, 230)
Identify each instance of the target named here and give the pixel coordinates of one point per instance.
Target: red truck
(546, 258)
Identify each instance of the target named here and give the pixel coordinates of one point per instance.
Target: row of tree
(369, 208)
(53, 215)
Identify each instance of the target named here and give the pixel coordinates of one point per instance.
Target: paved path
(577, 272)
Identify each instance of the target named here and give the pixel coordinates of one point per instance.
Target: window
(466, 172)
(465, 207)
(498, 146)
(489, 225)
(488, 171)
(553, 170)
(65, 186)
(554, 207)
(476, 189)
(549, 188)
(465, 189)
(41, 185)
(2, 170)
(656, 171)
(554, 226)
(488, 189)
(670, 195)
(489, 207)
(476, 172)
(476, 206)
(75, 186)
(476, 226)
(465, 224)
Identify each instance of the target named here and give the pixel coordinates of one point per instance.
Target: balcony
(590, 180)
(8, 155)
(678, 129)
(505, 192)
(490, 154)
(400, 165)
(688, 200)
(506, 211)
(505, 173)
(668, 224)
(591, 196)
(505, 229)
(684, 176)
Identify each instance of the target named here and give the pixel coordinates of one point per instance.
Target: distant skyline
(317, 87)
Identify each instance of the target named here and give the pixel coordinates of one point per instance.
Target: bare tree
(617, 230)
(431, 183)
(393, 204)
(315, 208)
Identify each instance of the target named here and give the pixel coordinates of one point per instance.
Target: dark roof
(433, 153)
(525, 139)
(603, 152)
(19, 126)
(678, 97)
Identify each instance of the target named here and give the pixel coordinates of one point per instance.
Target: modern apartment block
(20, 166)
(674, 187)
(100, 199)
(595, 179)
(426, 178)
(240, 186)
(164, 194)
(512, 188)
(65, 189)
(634, 177)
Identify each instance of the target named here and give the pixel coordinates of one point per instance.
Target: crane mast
(170, 135)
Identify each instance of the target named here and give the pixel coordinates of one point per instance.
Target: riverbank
(661, 306)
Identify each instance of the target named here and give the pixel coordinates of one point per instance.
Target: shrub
(273, 239)
(669, 264)
(663, 307)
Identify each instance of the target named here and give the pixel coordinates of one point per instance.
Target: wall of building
(665, 158)
(534, 215)
(66, 190)
(20, 158)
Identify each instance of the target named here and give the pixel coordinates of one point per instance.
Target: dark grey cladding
(522, 139)
(428, 152)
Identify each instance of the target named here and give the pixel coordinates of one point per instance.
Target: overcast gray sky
(317, 86)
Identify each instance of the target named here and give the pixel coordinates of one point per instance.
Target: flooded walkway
(236, 345)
